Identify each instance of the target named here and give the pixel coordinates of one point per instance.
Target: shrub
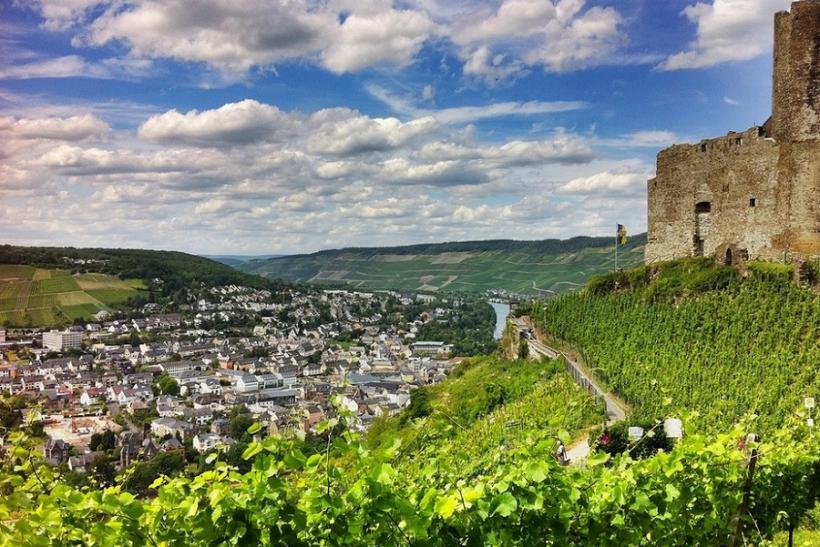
(774, 272)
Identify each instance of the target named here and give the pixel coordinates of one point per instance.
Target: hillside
(41, 297)
(690, 335)
(48, 286)
(176, 270)
(468, 463)
(485, 407)
(524, 267)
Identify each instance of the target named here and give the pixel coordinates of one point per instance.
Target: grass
(79, 311)
(41, 297)
(16, 272)
(111, 297)
(14, 289)
(55, 285)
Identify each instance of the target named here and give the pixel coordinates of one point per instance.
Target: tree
(239, 427)
(166, 385)
(102, 471)
(143, 474)
(419, 405)
(102, 441)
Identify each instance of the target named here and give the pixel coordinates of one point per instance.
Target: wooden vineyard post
(747, 494)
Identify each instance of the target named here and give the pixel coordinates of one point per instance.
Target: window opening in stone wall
(703, 207)
(728, 258)
(703, 148)
(752, 202)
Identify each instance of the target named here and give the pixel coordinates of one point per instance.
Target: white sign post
(673, 428)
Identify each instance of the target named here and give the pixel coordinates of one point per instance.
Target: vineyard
(720, 346)
(48, 297)
(350, 494)
(488, 406)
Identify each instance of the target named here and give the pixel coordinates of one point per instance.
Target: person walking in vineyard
(561, 454)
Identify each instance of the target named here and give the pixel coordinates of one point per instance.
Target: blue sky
(218, 126)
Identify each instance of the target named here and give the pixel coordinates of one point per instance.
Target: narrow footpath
(615, 407)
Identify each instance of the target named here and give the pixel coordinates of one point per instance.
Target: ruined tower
(754, 194)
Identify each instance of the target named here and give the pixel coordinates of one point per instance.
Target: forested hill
(527, 267)
(177, 270)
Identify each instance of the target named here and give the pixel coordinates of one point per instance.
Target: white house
(207, 441)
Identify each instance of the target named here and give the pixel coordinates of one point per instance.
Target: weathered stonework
(753, 194)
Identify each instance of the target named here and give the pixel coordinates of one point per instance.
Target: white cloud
(559, 36)
(67, 66)
(466, 114)
(343, 132)
(230, 36)
(304, 181)
(630, 178)
(727, 30)
(62, 14)
(730, 101)
(340, 35)
(67, 129)
(390, 37)
(234, 123)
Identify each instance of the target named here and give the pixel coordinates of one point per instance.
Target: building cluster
(288, 360)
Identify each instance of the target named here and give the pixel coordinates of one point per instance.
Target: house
(313, 369)
(56, 451)
(172, 445)
(270, 380)
(120, 395)
(247, 383)
(81, 463)
(178, 368)
(198, 416)
(130, 447)
(166, 406)
(314, 415)
(162, 427)
(290, 374)
(204, 442)
(221, 426)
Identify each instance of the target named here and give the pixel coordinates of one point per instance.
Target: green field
(49, 297)
(536, 268)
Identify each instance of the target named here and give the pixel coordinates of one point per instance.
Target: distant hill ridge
(543, 245)
(528, 267)
(178, 270)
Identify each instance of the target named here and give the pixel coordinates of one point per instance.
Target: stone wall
(755, 193)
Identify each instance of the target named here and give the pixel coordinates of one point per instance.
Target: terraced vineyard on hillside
(32, 296)
(538, 268)
(692, 335)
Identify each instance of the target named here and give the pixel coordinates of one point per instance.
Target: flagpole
(617, 235)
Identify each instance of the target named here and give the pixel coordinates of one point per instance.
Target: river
(501, 313)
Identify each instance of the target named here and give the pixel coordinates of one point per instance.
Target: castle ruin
(753, 194)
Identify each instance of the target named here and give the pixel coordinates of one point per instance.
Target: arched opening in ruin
(728, 258)
(703, 207)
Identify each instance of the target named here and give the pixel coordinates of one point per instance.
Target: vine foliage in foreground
(351, 495)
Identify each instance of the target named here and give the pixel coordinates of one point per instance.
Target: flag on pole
(620, 235)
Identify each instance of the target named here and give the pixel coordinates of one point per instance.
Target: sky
(289, 126)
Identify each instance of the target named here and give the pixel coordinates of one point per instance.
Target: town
(123, 390)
